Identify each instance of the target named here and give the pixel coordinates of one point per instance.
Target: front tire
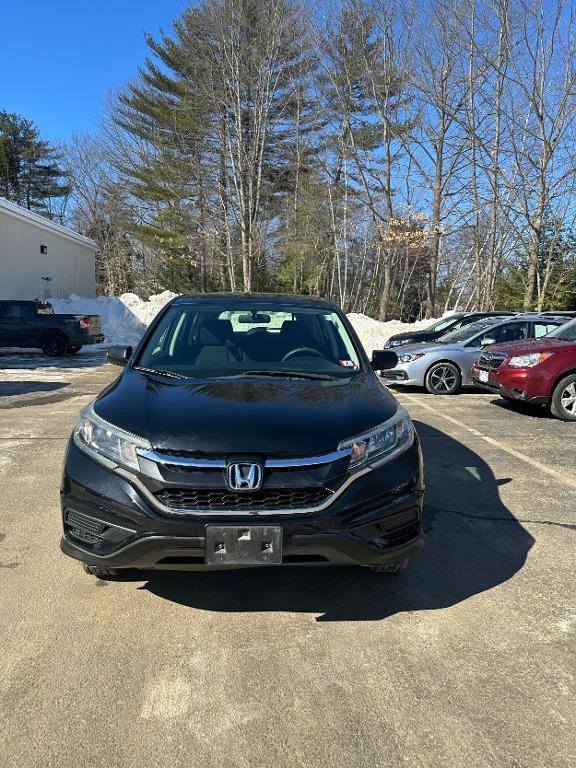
(99, 572)
(395, 567)
(443, 379)
(54, 344)
(563, 402)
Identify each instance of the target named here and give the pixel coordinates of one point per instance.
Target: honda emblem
(243, 477)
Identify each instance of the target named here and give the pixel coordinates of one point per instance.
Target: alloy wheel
(568, 399)
(443, 379)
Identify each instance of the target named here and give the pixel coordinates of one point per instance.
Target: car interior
(231, 339)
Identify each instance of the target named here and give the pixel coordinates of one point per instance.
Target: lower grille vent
(216, 499)
(398, 528)
(84, 527)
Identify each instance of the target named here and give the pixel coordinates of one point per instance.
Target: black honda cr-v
(244, 430)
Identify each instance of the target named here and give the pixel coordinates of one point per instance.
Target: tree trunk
(495, 157)
(533, 254)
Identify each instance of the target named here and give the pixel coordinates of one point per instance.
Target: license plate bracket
(243, 545)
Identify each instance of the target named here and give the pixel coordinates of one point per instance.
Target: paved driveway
(466, 659)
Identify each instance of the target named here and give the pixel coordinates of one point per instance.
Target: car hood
(416, 336)
(526, 346)
(269, 416)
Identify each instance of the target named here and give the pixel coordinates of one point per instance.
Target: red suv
(540, 371)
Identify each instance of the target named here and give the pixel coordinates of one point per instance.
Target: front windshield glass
(200, 340)
(468, 332)
(446, 322)
(566, 331)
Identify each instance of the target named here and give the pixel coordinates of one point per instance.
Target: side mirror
(119, 355)
(487, 342)
(383, 360)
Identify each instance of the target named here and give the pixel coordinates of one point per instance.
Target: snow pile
(125, 318)
(373, 334)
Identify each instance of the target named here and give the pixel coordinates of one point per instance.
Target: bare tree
(437, 146)
(541, 117)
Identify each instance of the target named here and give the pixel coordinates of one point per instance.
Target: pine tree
(30, 170)
(217, 127)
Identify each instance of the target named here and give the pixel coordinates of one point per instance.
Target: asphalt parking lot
(468, 658)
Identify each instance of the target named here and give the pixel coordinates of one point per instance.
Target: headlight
(528, 361)
(394, 343)
(410, 358)
(383, 443)
(94, 435)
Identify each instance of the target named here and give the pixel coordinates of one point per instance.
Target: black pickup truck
(34, 324)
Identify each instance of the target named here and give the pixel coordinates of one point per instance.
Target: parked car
(440, 328)
(33, 324)
(244, 430)
(444, 367)
(538, 371)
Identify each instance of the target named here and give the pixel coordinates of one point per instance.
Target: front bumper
(516, 384)
(407, 374)
(376, 520)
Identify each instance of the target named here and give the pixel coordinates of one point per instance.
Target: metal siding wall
(71, 265)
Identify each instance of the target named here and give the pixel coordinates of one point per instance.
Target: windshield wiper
(290, 375)
(170, 374)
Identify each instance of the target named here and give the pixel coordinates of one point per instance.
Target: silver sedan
(445, 366)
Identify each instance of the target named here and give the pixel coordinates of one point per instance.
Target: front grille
(491, 360)
(216, 499)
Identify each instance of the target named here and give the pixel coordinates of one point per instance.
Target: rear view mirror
(119, 355)
(384, 360)
(256, 317)
(487, 342)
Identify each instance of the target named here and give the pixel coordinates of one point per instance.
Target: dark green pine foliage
(168, 126)
(557, 263)
(198, 160)
(556, 270)
(30, 171)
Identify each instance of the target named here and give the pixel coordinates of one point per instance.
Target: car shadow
(467, 389)
(473, 543)
(15, 388)
(526, 409)
(29, 359)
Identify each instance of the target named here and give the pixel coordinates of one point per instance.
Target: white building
(40, 259)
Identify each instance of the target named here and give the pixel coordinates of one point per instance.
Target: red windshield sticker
(347, 363)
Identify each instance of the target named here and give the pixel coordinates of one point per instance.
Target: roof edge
(263, 297)
(51, 226)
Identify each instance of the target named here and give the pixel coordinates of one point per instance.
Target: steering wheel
(302, 351)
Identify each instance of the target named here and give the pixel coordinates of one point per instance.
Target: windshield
(468, 332)
(200, 340)
(566, 331)
(446, 322)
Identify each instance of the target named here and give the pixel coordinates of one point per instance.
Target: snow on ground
(125, 318)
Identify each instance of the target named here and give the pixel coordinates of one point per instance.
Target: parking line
(567, 480)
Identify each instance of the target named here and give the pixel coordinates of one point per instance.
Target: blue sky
(59, 59)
